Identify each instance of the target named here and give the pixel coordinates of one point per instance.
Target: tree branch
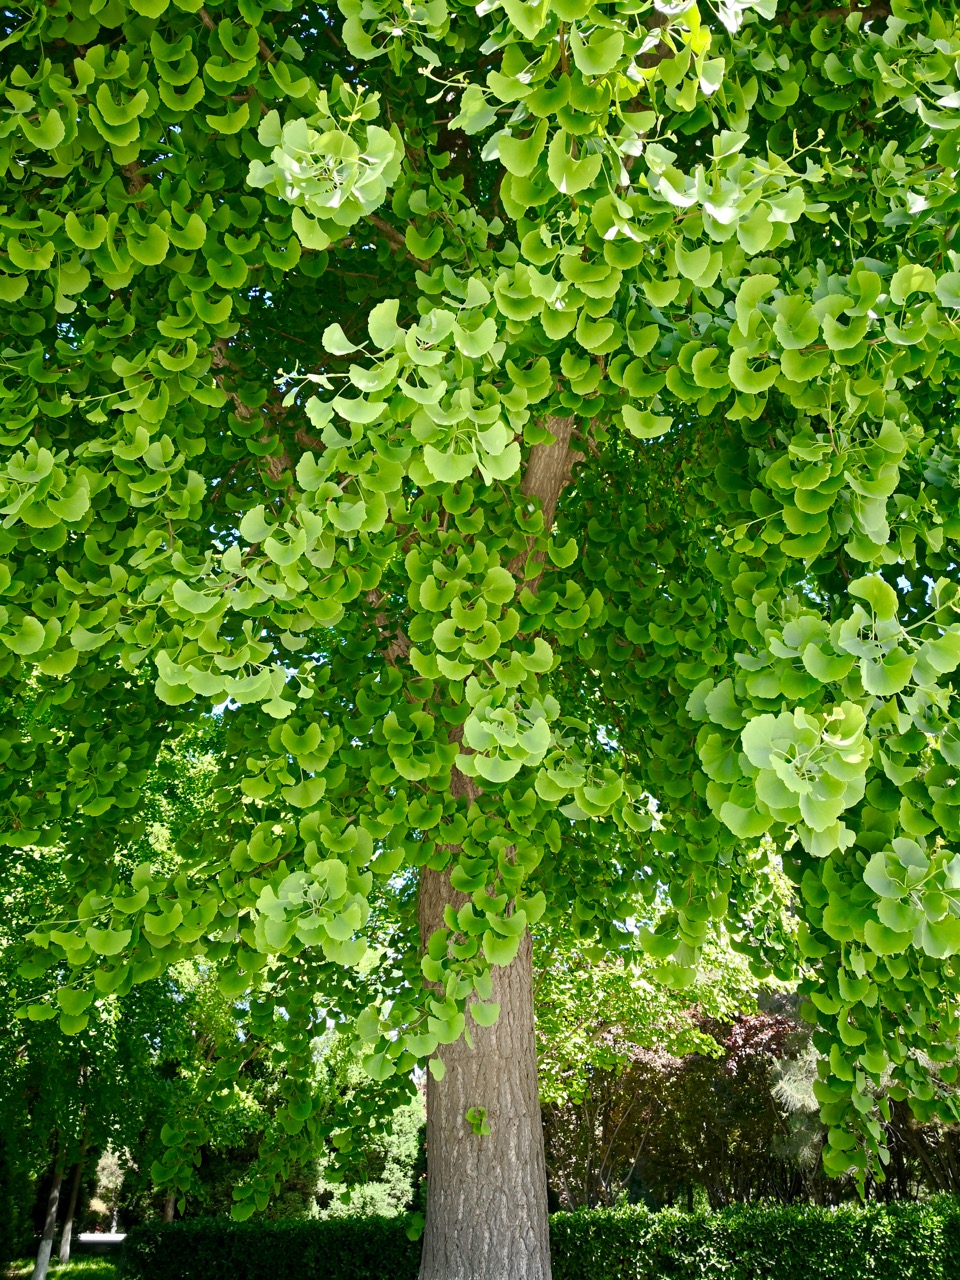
(395, 238)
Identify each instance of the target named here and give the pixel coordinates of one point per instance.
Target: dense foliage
(368, 1248)
(698, 257)
(731, 1120)
(705, 1128)
(916, 1242)
(593, 1013)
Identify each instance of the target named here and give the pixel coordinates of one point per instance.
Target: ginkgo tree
(533, 421)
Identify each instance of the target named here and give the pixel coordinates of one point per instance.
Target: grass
(77, 1269)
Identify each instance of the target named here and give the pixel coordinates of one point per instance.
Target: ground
(78, 1269)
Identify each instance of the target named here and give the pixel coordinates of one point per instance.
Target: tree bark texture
(49, 1224)
(66, 1235)
(487, 1194)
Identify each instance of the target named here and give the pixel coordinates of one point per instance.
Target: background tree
(626, 502)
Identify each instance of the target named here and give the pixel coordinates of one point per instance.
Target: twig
(394, 236)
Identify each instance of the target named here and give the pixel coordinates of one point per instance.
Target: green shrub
(218, 1249)
(801, 1242)
(897, 1242)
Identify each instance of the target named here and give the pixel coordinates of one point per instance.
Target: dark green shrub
(16, 1201)
(802, 1242)
(218, 1249)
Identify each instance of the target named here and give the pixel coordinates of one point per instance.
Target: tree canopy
(534, 424)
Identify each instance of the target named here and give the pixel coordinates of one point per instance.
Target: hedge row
(803, 1242)
(897, 1242)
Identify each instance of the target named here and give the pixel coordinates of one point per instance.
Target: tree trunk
(66, 1236)
(486, 1195)
(169, 1204)
(49, 1223)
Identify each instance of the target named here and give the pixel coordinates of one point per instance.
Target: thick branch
(396, 646)
(549, 470)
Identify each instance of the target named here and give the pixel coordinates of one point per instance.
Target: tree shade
(599, 535)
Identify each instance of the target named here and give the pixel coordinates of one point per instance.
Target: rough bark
(66, 1235)
(49, 1224)
(487, 1194)
(169, 1204)
(548, 470)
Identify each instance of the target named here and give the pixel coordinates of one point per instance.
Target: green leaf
(948, 290)
(72, 1025)
(476, 111)
(950, 743)
(643, 424)
(424, 246)
(876, 876)
(498, 950)
(336, 341)
(253, 527)
(888, 676)
(520, 155)
(749, 296)
(941, 938)
(449, 467)
(306, 793)
(696, 265)
(39, 258)
(496, 769)
(107, 942)
(563, 555)
(911, 279)
(12, 288)
(49, 133)
(484, 1015)
(796, 324)
(193, 601)
(567, 174)
(902, 917)
(357, 409)
(743, 822)
(720, 704)
(74, 1002)
(150, 249)
(884, 941)
(41, 1012)
(528, 16)
(598, 55)
(382, 324)
(134, 902)
(29, 637)
(879, 595)
(943, 654)
(750, 380)
(357, 40)
(230, 121)
(756, 231)
(309, 231)
(826, 668)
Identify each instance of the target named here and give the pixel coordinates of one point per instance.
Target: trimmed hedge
(803, 1242)
(896, 1242)
(219, 1249)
